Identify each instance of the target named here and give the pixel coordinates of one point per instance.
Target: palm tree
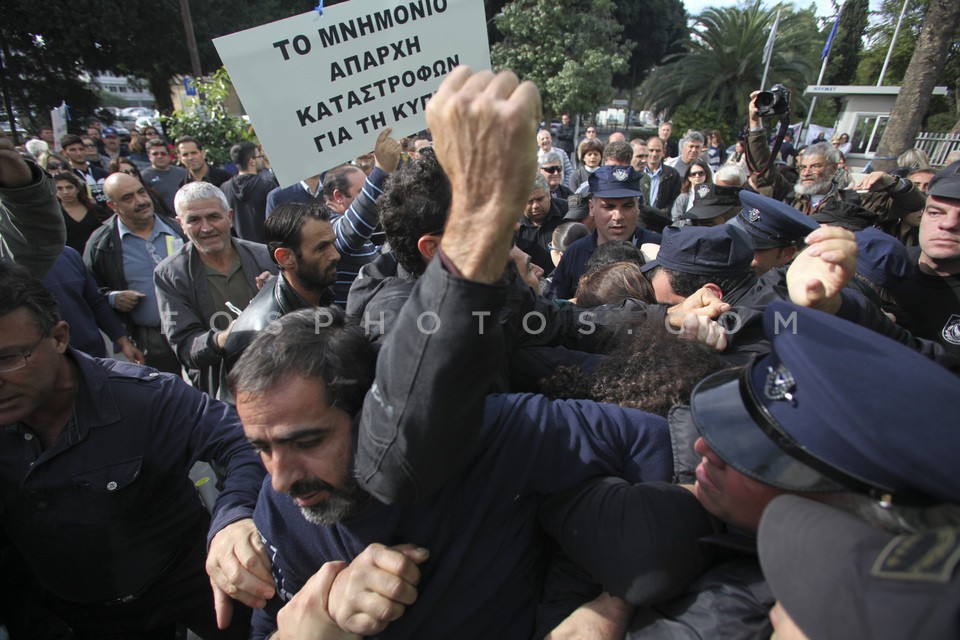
(722, 62)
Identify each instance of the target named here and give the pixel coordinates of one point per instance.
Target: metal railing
(938, 145)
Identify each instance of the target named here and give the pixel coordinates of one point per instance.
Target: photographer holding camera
(815, 191)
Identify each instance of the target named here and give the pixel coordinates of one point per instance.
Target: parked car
(133, 113)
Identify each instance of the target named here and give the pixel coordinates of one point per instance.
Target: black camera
(774, 102)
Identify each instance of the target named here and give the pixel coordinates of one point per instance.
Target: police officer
(712, 205)
(835, 576)
(776, 229)
(790, 422)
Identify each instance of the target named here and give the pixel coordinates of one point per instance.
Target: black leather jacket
(275, 300)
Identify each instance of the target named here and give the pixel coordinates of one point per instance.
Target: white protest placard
(58, 119)
(319, 88)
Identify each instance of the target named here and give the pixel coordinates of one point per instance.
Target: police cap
(721, 251)
(770, 223)
(882, 259)
(614, 181)
(850, 216)
(710, 201)
(831, 409)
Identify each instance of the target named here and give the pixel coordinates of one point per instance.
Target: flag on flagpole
(833, 32)
(768, 48)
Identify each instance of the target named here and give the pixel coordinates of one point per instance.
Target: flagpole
(813, 101)
(893, 41)
(768, 50)
(825, 55)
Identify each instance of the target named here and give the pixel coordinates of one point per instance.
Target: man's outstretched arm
(426, 405)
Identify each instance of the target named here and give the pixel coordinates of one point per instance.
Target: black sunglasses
(551, 169)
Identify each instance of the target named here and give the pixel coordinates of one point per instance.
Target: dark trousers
(182, 595)
(156, 350)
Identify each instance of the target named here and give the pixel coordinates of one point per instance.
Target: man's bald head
(129, 199)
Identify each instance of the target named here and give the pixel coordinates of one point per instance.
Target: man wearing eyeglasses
(887, 195)
(247, 191)
(552, 170)
(94, 480)
(162, 175)
(545, 146)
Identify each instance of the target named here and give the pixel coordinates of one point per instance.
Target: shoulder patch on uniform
(930, 556)
(951, 330)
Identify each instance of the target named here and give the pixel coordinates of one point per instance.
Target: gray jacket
(31, 225)
(186, 307)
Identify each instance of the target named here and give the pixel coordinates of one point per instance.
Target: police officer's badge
(620, 174)
(780, 384)
(951, 330)
(754, 215)
(703, 190)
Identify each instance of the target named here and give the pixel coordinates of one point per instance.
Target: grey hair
(692, 135)
(914, 159)
(550, 156)
(730, 175)
(193, 191)
(539, 182)
(825, 150)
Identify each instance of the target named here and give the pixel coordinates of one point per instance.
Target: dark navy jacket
(567, 274)
(459, 472)
(109, 506)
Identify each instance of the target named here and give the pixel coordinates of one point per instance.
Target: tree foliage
(847, 44)
(939, 30)
(658, 27)
(207, 119)
(722, 62)
(943, 111)
(570, 50)
(51, 50)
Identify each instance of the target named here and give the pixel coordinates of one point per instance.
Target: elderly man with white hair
(545, 146)
(887, 195)
(204, 286)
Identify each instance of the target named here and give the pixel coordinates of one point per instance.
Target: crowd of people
(600, 389)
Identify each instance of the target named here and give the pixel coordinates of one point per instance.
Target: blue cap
(721, 251)
(108, 131)
(882, 259)
(770, 223)
(614, 181)
(830, 409)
